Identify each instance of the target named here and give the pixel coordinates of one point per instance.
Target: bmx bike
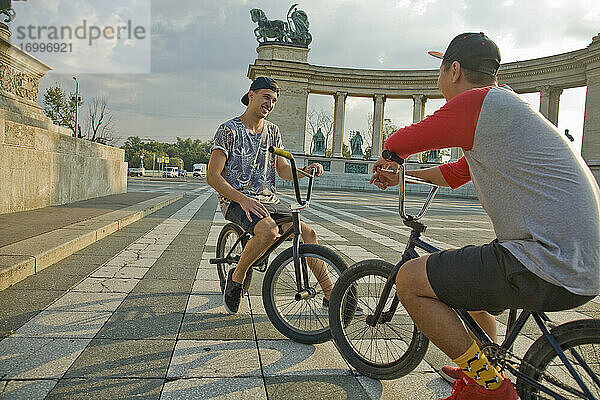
(384, 343)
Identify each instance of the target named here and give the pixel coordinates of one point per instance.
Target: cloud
(201, 50)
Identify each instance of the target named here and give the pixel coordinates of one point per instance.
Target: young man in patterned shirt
(243, 173)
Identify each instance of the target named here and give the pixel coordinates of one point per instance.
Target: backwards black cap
(474, 51)
(262, 82)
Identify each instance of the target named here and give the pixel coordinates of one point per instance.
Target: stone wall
(41, 164)
(42, 167)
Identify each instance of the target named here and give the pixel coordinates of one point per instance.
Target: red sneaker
(451, 374)
(467, 389)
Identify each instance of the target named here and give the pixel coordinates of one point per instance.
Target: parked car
(170, 172)
(136, 171)
(182, 172)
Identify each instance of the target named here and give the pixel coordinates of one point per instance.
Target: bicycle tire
(227, 238)
(403, 345)
(304, 321)
(581, 335)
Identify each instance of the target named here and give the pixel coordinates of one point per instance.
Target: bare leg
(434, 318)
(265, 233)
(487, 322)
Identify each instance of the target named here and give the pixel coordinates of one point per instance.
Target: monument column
(419, 101)
(339, 114)
(549, 100)
(590, 148)
(378, 107)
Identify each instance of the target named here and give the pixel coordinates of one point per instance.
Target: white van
(199, 170)
(170, 172)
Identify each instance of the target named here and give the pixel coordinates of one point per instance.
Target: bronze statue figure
(299, 21)
(356, 142)
(319, 143)
(294, 31)
(268, 29)
(6, 9)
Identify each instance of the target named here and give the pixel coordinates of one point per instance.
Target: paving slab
(211, 358)
(62, 324)
(215, 388)
(106, 388)
(216, 326)
(38, 358)
(107, 358)
(322, 387)
(285, 357)
(136, 324)
(30, 389)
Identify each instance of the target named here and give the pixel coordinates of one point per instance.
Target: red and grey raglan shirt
(543, 200)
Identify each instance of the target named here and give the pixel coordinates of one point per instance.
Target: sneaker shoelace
(457, 387)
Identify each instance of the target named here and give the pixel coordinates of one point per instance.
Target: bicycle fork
(300, 266)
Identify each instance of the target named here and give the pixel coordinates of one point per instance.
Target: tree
(316, 119)
(99, 126)
(59, 107)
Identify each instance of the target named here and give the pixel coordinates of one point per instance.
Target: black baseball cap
(262, 82)
(474, 51)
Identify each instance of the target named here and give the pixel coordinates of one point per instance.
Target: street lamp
(76, 104)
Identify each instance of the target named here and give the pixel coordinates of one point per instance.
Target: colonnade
(297, 78)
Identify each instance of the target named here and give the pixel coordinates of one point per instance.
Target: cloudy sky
(184, 72)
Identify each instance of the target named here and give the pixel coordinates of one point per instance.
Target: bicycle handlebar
(289, 156)
(391, 156)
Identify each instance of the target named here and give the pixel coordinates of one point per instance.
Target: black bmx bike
(384, 342)
(297, 281)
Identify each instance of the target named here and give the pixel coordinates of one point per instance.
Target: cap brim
(245, 99)
(436, 54)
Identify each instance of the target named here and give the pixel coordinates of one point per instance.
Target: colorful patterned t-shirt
(249, 168)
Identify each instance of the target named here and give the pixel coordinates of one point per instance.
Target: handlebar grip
(391, 156)
(281, 152)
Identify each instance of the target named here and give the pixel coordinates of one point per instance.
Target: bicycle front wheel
(305, 320)
(580, 341)
(390, 349)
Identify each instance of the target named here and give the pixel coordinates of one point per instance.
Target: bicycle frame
(300, 266)
(515, 325)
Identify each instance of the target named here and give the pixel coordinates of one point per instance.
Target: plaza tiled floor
(148, 321)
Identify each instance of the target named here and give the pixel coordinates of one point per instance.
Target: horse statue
(6, 9)
(299, 21)
(268, 29)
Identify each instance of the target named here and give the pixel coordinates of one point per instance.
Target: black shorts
(236, 214)
(490, 278)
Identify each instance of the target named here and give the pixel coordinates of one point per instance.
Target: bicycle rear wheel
(227, 240)
(542, 363)
(304, 321)
(388, 350)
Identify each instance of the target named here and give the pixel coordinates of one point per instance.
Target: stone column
(549, 100)
(378, 107)
(419, 101)
(456, 153)
(590, 147)
(339, 114)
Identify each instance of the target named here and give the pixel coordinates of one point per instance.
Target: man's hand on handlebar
(382, 163)
(317, 167)
(250, 205)
(385, 178)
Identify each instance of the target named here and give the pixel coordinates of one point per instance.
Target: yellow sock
(477, 367)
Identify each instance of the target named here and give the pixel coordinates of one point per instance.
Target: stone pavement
(139, 314)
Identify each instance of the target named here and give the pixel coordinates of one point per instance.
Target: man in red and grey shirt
(541, 197)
